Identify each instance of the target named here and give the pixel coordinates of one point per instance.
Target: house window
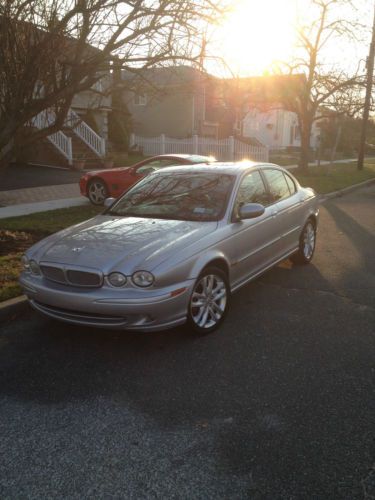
(98, 86)
(140, 99)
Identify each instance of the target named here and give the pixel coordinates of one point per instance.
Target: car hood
(120, 243)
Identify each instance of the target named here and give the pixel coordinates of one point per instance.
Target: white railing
(85, 133)
(228, 149)
(61, 141)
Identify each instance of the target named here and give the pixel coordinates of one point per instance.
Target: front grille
(82, 278)
(72, 277)
(54, 274)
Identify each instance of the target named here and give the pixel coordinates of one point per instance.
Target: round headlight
(34, 267)
(117, 279)
(143, 278)
(25, 263)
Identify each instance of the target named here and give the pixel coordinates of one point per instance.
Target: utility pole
(366, 110)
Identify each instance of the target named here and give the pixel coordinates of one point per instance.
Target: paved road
(279, 404)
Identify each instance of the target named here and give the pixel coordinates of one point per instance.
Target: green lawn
(326, 179)
(51, 221)
(18, 233)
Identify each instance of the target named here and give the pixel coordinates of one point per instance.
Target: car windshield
(201, 196)
(202, 159)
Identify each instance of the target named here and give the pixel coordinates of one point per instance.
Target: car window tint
(291, 185)
(277, 183)
(252, 190)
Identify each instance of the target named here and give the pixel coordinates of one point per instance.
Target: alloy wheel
(208, 301)
(308, 241)
(97, 192)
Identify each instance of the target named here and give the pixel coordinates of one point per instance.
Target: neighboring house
(84, 135)
(182, 101)
(171, 101)
(276, 127)
(85, 131)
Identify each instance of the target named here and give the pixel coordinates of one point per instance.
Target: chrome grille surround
(71, 275)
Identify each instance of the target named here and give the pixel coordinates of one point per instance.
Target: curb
(349, 189)
(19, 304)
(11, 307)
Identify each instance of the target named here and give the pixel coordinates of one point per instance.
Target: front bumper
(83, 186)
(124, 309)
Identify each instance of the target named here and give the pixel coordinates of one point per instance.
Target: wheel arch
(313, 218)
(215, 259)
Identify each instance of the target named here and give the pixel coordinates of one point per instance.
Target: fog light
(117, 279)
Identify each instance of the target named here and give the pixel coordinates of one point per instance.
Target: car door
(251, 245)
(286, 198)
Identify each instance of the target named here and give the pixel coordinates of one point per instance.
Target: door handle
(274, 213)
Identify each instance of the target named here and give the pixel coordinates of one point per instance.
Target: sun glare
(257, 34)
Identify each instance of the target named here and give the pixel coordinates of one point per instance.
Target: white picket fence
(229, 149)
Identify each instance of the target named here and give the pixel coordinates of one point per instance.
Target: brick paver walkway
(37, 194)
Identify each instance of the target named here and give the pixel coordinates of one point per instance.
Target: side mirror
(108, 202)
(250, 211)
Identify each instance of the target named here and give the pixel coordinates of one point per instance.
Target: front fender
(205, 259)
(189, 269)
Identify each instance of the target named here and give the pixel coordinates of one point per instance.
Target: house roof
(263, 89)
(168, 76)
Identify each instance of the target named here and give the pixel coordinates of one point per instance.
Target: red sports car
(101, 184)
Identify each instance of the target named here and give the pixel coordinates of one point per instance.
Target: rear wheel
(209, 301)
(307, 243)
(97, 191)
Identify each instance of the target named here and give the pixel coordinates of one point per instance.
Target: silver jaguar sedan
(173, 248)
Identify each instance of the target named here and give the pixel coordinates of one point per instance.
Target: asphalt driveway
(22, 176)
(278, 404)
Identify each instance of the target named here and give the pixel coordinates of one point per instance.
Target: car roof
(231, 168)
(180, 155)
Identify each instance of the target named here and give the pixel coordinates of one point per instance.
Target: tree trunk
(303, 164)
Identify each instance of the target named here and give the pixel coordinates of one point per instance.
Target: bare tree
(51, 50)
(324, 86)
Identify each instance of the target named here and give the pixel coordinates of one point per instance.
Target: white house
(276, 128)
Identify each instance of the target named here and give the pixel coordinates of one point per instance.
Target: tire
(97, 191)
(307, 243)
(209, 301)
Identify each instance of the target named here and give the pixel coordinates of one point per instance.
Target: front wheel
(209, 301)
(97, 192)
(307, 244)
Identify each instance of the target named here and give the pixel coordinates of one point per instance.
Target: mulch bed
(17, 241)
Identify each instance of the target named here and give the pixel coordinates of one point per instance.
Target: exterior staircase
(80, 150)
(77, 141)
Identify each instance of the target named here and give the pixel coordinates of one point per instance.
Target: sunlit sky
(258, 33)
